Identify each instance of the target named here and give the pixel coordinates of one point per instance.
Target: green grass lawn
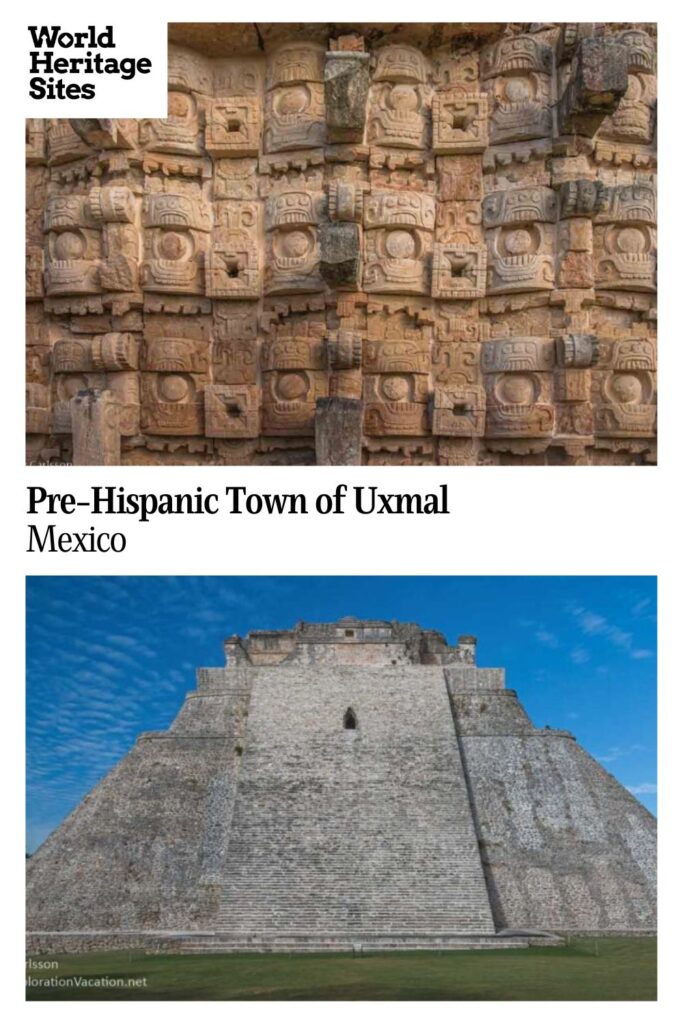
(622, 969)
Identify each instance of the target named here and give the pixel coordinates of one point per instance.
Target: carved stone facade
(455, 241)
(345, 784)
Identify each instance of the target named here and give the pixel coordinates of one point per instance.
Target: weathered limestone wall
(365, 829)
(145, 849)
(564, 845)
(413, 244)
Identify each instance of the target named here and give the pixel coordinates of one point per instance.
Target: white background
(114, 95)
(517, 520)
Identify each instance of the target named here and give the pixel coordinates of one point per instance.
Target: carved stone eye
(173, 388)
(404, 97)
(517, 389)
(627, 388)
(396, 389)
(293, 101)
(400, 244)
(517, 90)
(631, 240)
(295, 243)
(292, 386)
(518, 242)
(172, 246)
(69, 246)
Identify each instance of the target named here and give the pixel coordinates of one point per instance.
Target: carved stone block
(234, 361)
(396, 404)
(289, 400)
(582, 198)
(623, 402)
(231, 410)
(295, 117)
(37, 409)
(172, 403)
(96, 434)
(344, 349)
(36, 138)
(398, 115)
(399, 209)
(175, 353)
(598, 79)
(176, 239)
(235, 179)
(120, 268)
(635, 203)
(102, 353)
(624, 256)
(125, 387)
(293, 248)
(520, 107)
(179, 132)
(65, 387)
(234, 350)
(294, 352)
(347, 83)
(34, 272)
(345, 201)
(105, 133)
(518, 405)
(296, 62)
(459, 411)
(572, 385)
(460, 178)
(398, 63)
(398, 241)
(233, 267)
(398, 355)
(457, 363)
(520, 241)
(518, 355)
(626, 354)
(111, 204)
(458, 271)
(234, 126)
(82, 369)
(63, 144)
(520, 206)
(338, 431)
(577, 350)
(633, 120)
(235, 76)
(460, 122)
(72, 355)
(340, 255)
(74, 247)
(516, 54)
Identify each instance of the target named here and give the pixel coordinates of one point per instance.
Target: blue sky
(109, 657)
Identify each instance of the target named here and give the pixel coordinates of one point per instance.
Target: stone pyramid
(358, 783)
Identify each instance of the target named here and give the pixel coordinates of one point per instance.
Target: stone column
(338, 431)
(96, 434)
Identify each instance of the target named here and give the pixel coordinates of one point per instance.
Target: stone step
(362, 942)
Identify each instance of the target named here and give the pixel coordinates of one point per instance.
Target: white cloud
(642, 788)
(580, 656)
(547, 639)
(594, 625)
(616, 753)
